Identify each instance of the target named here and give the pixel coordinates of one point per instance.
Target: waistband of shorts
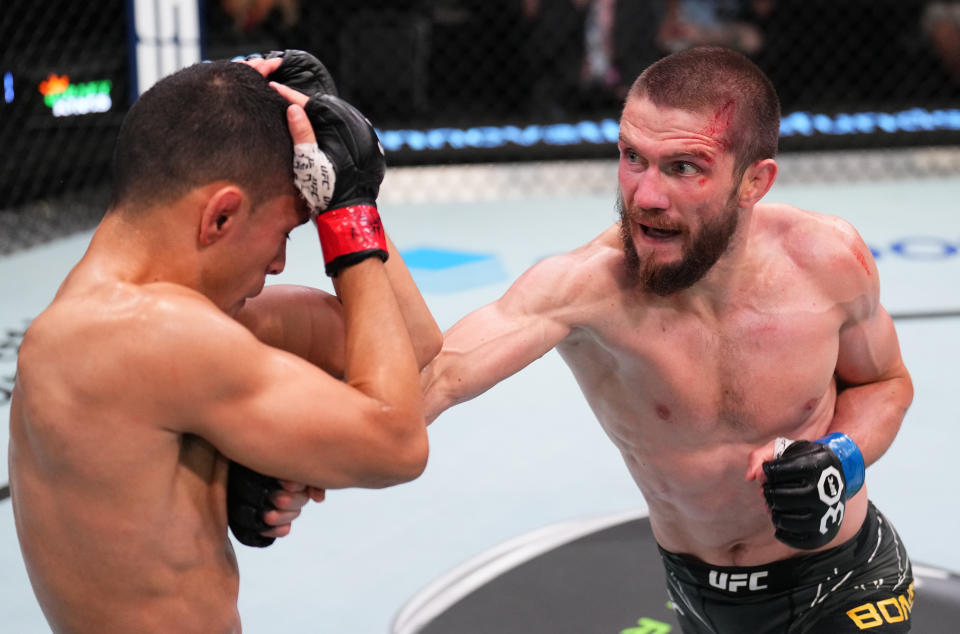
(777, 576)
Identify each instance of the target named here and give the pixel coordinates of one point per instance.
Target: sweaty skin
(149, 371)
(783, 336)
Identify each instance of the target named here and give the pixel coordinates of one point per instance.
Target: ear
(757, 181)
(221, 213)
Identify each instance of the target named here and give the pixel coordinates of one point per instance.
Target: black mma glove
(302, 71)
(807, 486)
(340, 178)
(248, 499)
(349, 224)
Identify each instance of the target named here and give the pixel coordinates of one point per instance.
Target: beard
(700, 252)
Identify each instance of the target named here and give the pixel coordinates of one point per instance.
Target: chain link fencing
(478, 99)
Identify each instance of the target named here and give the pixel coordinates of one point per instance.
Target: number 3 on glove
(807, 486)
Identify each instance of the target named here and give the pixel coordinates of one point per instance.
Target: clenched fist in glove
(807, 485)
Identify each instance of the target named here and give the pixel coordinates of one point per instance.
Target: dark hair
(207, 122)
(726, 84)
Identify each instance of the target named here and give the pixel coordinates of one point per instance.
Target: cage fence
(479, 99)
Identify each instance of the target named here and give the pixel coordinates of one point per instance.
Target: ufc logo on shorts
(830, 488)
(733, 582)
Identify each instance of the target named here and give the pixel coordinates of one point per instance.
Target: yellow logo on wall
(66, 99)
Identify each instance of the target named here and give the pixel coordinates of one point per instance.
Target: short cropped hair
(207, 122)
(726, 84)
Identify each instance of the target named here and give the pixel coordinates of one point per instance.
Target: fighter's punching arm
(498, 340)
(808, 482)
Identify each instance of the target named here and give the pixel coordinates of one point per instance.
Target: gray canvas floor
(528, 452)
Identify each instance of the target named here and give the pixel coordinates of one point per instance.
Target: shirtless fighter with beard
(737, 354)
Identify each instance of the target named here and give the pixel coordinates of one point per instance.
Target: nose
(649, 193)
(276, 267)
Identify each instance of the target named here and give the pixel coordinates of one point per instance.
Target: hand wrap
(807, 485)
(314, 176)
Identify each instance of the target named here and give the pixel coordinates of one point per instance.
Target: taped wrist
(350, 234)
(314, 176)
(854, 469)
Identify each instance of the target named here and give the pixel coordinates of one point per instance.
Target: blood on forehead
(718, 127)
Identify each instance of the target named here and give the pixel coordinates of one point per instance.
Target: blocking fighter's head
(724, 84)
(204, 159)
(217, 121)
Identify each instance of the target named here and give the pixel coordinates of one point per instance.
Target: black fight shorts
(864, 585)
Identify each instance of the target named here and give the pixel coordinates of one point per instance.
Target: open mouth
(659, 234)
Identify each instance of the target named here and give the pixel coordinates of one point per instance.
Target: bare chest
(744, 378)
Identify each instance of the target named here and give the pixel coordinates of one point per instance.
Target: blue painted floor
(528, 452)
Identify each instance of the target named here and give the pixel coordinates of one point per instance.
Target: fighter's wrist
(350, 234)
(851, 459)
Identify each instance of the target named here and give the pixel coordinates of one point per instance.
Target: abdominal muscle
(701, 505)
(691, 464)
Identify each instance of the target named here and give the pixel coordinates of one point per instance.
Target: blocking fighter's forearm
(425, 335)
(306, 74)
(379, 359)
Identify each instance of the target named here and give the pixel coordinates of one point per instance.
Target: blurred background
(499, 118)
(457, 82)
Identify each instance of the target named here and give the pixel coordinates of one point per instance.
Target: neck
(723, 283)
(141, 250)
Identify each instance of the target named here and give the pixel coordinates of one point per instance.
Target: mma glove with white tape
(340, 177)
(349, 225)
(807, 486)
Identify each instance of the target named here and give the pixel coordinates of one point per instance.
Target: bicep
(306, 322)
(295, 422)
(278, 414)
